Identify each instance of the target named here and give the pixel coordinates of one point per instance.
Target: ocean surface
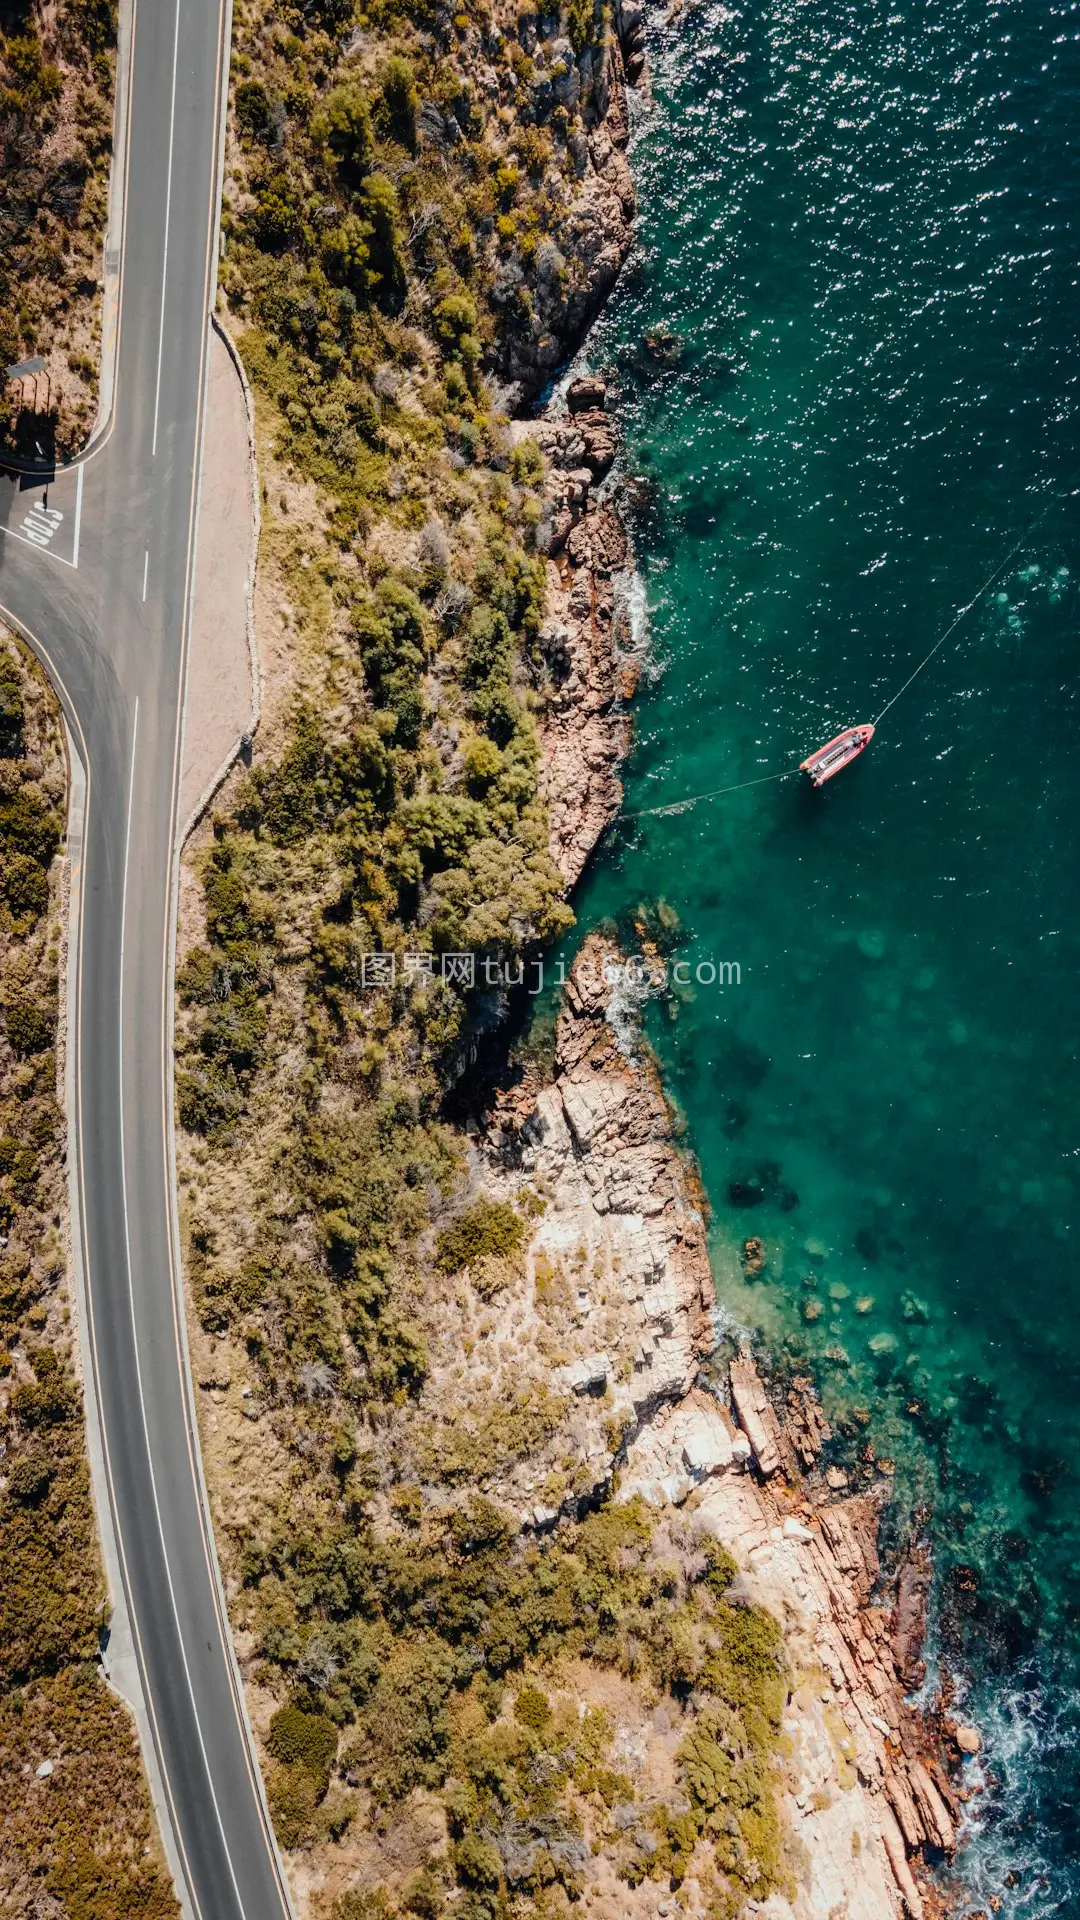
(848, 357)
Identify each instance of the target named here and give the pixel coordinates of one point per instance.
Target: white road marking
(41, 523)
(78, 516)
(135, 1343)
(168, 205)
(10, 534)
(145, 571)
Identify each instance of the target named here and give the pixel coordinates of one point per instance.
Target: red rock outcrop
(586, 637)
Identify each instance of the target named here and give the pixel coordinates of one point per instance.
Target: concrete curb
(118, 1658)
(113, 246)
(254, 667)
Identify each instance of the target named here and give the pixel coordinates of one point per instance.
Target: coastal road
(96, 572)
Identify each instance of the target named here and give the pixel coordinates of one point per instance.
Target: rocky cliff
(867, 1791)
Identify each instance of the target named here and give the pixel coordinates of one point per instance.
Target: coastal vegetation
(431, 1685)
(75, 1822)
(57, 71)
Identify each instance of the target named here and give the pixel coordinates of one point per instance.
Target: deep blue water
(860, 226)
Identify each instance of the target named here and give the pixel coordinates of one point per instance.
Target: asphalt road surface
(96, 572)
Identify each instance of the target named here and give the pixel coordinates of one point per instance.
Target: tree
(400, 102)
(455, 322)
(343, 130)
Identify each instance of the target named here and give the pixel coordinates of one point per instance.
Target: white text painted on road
(41, 523)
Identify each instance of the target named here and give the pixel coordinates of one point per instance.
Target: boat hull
(836, 754)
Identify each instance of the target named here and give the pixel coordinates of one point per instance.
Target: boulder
(794, 1530)
(587, 394)
(588, 1375)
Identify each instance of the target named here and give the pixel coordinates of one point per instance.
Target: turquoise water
(861, 226)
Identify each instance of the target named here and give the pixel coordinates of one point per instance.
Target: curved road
(96, 573)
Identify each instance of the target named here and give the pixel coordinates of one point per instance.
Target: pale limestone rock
(677, 1451)
(755, 1412)
(794, 1530)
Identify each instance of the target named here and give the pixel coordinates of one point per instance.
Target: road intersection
(96, 570)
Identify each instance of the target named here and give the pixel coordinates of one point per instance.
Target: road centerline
(78, 517)
(168, 210)
(135, 1348)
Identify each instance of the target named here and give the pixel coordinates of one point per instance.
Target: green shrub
(28, 826)
(24, 885)
(12, 711)
(455, 322)
(28, 1479)
(721, 1567)
(342, 129)
(745, 1668)
(483, 763)
(289, 794)
(361, 1903)
(487, 1227)
(527, 463)
(307, 1740)
(425, 1895)
(274, 219)
(581, 23)
(208, 1100)
(488, 648)
(478, 1862)
(92, 23)
(404, 1729)
(255, 112)
(235, 919)
(234, 1031)
(533, 1709)
(293, 1796)
(399, 102)
(32, 83)
(29, 1026)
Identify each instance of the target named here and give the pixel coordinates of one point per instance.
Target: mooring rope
(679, 806)
(1058, 494)
(764, 779)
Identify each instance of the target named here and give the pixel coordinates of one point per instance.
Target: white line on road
(145, 571)
(135, 1343)
(168, 205)
(78, 516)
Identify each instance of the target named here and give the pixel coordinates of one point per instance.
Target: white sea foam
(1004, 1852)
(629, 992)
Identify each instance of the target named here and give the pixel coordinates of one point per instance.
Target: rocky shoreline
(586, 638)
(872, 1788)
(586, 641)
